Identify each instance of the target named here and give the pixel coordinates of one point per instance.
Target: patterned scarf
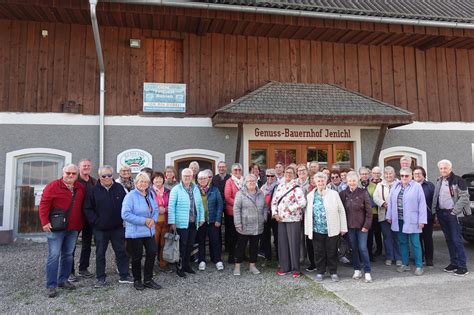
(239, 182)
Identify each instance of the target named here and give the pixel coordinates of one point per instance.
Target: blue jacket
(178, 206)
(414, 207)
(135, 210)
(215, 205)
(103, 208)
(428, 189)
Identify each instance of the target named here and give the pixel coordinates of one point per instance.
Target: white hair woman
(324, 221)
(185, 216)
(140, 213)
(359, 219)
(381, 197)
(250, 213)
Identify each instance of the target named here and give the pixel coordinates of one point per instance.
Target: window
(204, 164)
(391, 156)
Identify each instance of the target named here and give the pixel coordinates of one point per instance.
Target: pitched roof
(436, 10)
(300, 103)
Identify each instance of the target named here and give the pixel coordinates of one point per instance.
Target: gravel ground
(22, 281)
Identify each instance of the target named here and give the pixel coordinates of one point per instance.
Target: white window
(391, 156)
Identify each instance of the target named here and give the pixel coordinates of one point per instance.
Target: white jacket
(382, 195)
(335, 213)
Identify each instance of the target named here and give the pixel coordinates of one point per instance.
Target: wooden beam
(378, 145)
(240, 131)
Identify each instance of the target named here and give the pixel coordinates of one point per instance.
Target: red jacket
(57, 196)
(230, 191)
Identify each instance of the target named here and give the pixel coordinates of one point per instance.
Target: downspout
(100, 57)
(302, 13)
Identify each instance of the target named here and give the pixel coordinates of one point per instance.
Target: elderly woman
(140, 213)
(232, 186)
(250, 213)
(125, 178)
(419, 175)
(266, 239)
(324, 221)
(194, 166)
(381, 197)
(406, 212)
(185, 215)
(213, 208)
(287, 209)
(359, 219)
(162, 195)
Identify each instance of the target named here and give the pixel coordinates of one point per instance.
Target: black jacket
(220, 183)
(103, 208)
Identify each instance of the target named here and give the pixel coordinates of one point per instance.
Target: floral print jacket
(292, 203)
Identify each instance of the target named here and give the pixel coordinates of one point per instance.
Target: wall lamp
(135, 43)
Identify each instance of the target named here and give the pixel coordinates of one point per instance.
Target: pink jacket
(230, 191)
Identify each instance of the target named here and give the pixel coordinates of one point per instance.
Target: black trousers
(186, 243)
(426, 238)
(325, 249)
(213, 232)
(117, 238)
(242, 244)
(136, 245)
(375, 231)
(310, 250)
(270, 227)
(230, 236)
(87, 233)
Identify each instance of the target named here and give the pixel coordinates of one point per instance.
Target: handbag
(171, 248)
(59, 218)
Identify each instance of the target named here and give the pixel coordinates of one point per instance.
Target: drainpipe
(100, 57)
(310, 14)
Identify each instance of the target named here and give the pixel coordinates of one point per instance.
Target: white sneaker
(220, 266)
(202, 266)
(357, 275)
(368, 278)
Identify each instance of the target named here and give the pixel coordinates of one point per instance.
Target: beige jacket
(335, 213)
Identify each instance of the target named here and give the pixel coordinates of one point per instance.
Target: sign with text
(164, 97)
(301, 133)
(136, 159)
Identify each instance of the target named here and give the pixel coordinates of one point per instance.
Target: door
(33, 173)
(284, 153)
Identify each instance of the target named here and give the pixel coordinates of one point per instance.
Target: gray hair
(202, 174)
(270, 171)
(445, 162)
(320, 175)
(103, 168)
(313, 162)
(250, 176)
(406, 171)
(124, 167)
(186, 170)
(140, 176)
(405, 158)
(83, 160)
(363, 168)
(352, 174)
(389, 169)
(376, 168)
(236, 165)
(70, 165)
(208, 172)
(222, 162)
(195, 163)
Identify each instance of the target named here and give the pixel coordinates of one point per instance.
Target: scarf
(238, 182)
(128, 184)
(269, 188)
(376, 181)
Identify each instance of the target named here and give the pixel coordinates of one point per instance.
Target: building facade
(419, 60)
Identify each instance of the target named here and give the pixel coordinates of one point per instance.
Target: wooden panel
(217, 58)
(123, 70)
(294, 61)
(32, 59)
(273, 59)
(5, 34)
(365, 80)
(194, 67)
(443, 84)
(316, 62)
(230, 68)
(454, 112)
(339, 66)
(376, 71)
(432, 85)
(76, 66)
(420, 60)
(205, 75)
(170, 61)
(399, 77)
(110, 59)
(137, 75)
(150, 60)
(44, 68)
(387, 75)
(22, 67)
(305, 61)
(285, 73)
(60, 66)
(263, 60)
(91, 75)
(352, 75)
(252, 63)
(464, 85)
(410, 81)
(328, 62)
(159, 46)
(242, 68)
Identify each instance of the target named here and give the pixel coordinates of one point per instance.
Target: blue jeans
(60, 248)
(390, 241)
(117, 238)
(359, 249)
(452, 232)
(414, 240)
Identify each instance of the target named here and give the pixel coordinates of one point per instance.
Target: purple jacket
(414, 207)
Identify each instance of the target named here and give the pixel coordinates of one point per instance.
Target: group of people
(307, 210)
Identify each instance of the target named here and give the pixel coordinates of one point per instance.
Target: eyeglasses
(70, 173)
(334, 177)
(209, 177)
(404, 176)
(270, 175)
(419, 174)
(106, 175)
(237, 169)
(202, 178)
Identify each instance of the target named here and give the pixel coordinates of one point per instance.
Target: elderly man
(450, 200)
(313, 168)
(85, 168)
(65, 194)
(103, 210)
(405, 161)
(185, 215)
(219, 179)
(279, 172)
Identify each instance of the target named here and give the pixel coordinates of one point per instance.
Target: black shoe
(180, 273)
(52, 293)
(152, 285)
(85, 274)
(450, 268)
(67, 285)
(231, 260)
(372, 259)
(99, 284)
(461, 271)
(138, 285)
(190, 271)
(378, 252)
(429, 263)
(311, 268)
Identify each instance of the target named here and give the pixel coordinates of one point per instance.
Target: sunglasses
(237, 169)
(106, 175)
(404, 176)
(270, 175)
(334, 177)
(70, 173)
